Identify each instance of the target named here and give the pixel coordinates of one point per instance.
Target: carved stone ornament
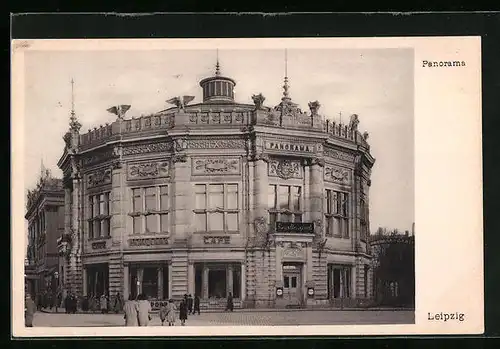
(317, 161)
(285, 169)
(216, 143)
(258, 100)
(179, 158)
(336, 154)
(180, 144)
(99, 245)
(260, 225)
(216, 240)
(318, 227)
(99, 178)
(354, 122)
(216, 166)
(314, 107)
(293, 252)
(101, 156)
(366, 135)
(336, 174)
(157, 169)
(148, 148)
(148, 242)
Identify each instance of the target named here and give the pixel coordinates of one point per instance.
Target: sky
(376, 84)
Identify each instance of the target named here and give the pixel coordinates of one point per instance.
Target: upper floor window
(216, 207)
(99, 222)
(337, 214)
(150, 206)
(285, 204)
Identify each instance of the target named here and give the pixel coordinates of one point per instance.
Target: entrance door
(292, 283)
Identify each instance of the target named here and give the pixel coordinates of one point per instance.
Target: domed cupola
(218, 88)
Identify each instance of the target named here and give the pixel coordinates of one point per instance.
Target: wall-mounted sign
(216, 166)
(292, 227)
(216, 240)
(294, 147)
(279, 291)
(310, 292)
(99, 245)
(144, 170)
(148, 242)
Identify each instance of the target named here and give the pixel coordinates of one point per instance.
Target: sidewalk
(252, 310)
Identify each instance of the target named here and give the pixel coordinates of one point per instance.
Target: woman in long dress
(131, 312)
(144, 308)
(171, 308)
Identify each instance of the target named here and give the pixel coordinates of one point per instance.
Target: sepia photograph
(220, 185)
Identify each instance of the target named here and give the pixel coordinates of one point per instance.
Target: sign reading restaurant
(300, 147)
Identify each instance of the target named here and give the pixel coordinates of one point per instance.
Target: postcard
(247, 187)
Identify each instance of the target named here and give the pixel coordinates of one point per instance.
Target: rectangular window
(339, 281)
(285, 204)
(150, 209)
(164, 198)
(137, 224)
(337, 213)
(137, 200)
(216, 207)
(150, 199)
(99, 212)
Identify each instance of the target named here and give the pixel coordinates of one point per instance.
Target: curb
(212, 311)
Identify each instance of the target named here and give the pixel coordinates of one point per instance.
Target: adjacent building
(44, 213)
(268, 204)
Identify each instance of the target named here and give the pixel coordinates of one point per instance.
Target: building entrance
(292, 281)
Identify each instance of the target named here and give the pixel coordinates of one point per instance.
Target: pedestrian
(29, 311)
(39, 301)
(66, 304)
(171, 308)
(118, 303)
(190, 304)
(59, 300)
(74, 303)
(103, 303)
(183, 311)
(163, 312)
(229, 305)
(131, 312)
(196, 304)
(144, 309)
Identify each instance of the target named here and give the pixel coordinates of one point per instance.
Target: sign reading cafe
(305, 148)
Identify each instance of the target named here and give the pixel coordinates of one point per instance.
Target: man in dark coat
(230, 305)
(196, 304)
(190, 304)
(183, 311)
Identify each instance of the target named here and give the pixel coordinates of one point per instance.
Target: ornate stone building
(269, 204)
(44, 212)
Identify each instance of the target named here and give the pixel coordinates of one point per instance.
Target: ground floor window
(217, 280)
(151, 280)
(97, 280)
(339, 281)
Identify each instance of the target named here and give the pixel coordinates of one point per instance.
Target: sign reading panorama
(292, 227)
(295, 147)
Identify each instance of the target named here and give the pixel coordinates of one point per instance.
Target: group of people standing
(137, 311)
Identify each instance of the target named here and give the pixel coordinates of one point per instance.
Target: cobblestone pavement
(238, 318)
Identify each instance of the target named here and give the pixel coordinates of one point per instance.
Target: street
(238, 318)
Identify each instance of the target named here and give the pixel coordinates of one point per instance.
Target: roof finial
(217, 66)
(286, 86)
(340, 115)
(74, 125)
